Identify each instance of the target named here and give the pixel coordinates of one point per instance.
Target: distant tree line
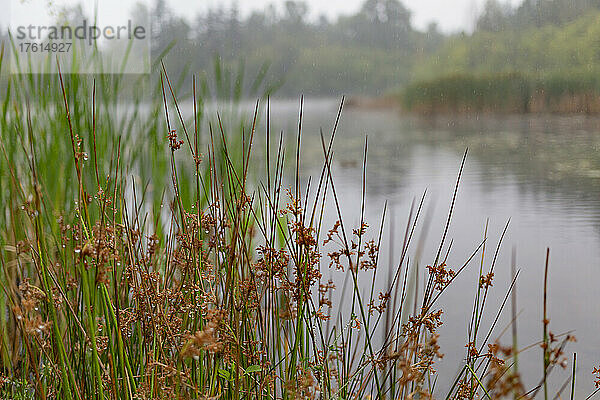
(370, 52)
(540, 56)
(375, 50)
(498, 15)
(537, 38)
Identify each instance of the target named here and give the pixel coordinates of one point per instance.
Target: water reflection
(541, 172)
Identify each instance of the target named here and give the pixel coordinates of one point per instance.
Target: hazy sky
(451, 15)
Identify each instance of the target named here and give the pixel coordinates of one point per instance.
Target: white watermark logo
(42, 40)
(90, 33)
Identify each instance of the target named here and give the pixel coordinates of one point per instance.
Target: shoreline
(495, 94)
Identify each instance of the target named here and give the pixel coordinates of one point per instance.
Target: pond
(541, 173)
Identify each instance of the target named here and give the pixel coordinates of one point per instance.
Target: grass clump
(198, 282)
(506, 93)
(469, 94)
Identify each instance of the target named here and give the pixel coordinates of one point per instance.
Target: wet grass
(149, 254)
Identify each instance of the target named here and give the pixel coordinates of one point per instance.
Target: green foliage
(70, 150)
(499, 15)
(505, 93)
(372, 51)
(465, 93)
(548, 67)
(551, 49)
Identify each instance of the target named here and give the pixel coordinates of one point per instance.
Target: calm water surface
(540, 172)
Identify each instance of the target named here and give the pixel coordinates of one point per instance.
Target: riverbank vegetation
(159, 250)
(159, 253)
(505, 93)
(537, 57)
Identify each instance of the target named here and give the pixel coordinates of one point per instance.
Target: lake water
(541, 172)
